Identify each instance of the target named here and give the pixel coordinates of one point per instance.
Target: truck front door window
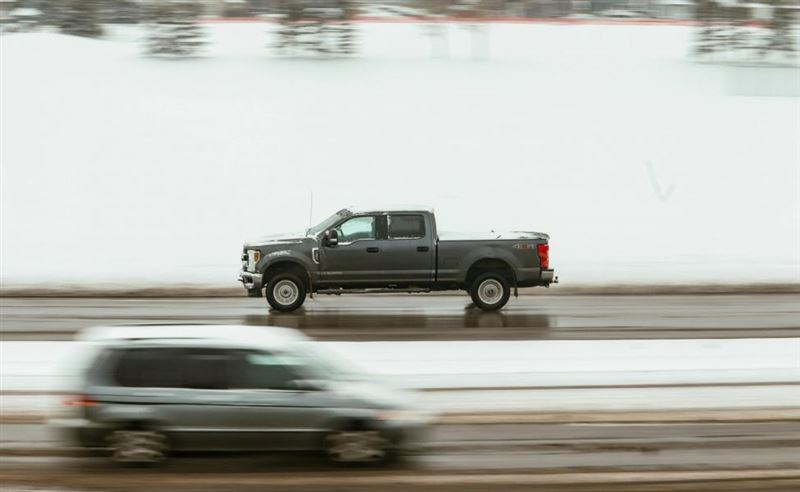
(357, 228)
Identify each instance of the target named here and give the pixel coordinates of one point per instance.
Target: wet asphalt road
(428, 317)
(506, 457)
(450, 449)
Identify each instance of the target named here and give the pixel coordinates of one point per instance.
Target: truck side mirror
(331, 238)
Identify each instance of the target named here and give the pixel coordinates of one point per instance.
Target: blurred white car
(147, 390)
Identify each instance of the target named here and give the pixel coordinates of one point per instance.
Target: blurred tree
(734, 33)
(722, 27)
(779, 38)
(237, 8)
(321, 26)
(471, 13)
(78, 17)
(121, 11)
(173, 28)
(705, 15)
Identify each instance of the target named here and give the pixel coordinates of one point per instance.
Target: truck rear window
(406, 227)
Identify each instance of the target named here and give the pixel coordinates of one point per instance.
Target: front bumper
(253, 282)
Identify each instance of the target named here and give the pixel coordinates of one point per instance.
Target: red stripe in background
(499, 20)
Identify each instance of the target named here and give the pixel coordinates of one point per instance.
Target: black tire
(359, 446)
(138, 446)
(490, 291)
(285, 292)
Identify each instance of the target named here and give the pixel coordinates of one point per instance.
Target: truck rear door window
(406, 227)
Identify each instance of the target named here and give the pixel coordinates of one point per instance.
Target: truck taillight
(544, 255)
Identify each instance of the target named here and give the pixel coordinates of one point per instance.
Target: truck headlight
(253, 257)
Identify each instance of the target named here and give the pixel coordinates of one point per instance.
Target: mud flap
(516, 293)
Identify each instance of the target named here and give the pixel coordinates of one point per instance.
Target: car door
(355, 259)
(211, 416)
(183, 390)
(279, 413)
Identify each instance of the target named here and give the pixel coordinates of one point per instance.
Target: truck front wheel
(285, 292)
(490, 291)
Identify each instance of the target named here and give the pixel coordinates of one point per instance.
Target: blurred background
(663, 133)
(656, 141)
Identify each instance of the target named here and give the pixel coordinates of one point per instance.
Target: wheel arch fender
(287, 262)
(484, 259)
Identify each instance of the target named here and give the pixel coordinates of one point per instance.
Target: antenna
(310, 208)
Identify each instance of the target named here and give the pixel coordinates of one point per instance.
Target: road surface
(429, 317)
(468, 454)
(646, 456)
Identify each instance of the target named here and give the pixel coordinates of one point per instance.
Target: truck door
(407, 252)
(356, 259)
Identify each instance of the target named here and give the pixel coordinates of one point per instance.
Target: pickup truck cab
(396, 249)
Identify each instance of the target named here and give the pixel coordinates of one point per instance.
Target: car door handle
(423, 249)
(373, 249)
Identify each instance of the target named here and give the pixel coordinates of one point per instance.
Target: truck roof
(390, 209)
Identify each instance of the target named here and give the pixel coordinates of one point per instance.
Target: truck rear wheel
(285, 292)
(490, 291)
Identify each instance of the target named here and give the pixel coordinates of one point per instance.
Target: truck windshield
(325, 224)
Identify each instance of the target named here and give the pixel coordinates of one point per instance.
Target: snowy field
(643, 165)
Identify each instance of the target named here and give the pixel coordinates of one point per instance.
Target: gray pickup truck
(393, 250)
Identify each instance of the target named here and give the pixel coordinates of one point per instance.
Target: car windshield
(325, 224)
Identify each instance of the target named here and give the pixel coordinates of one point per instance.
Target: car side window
(261, 370)
(357, 228)
(148, 368)
(192, 368)
(406, 226)
(204, 368)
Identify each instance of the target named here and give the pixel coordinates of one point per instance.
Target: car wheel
(285, 292)
(137, 447)
(490, 291)
(357, 446)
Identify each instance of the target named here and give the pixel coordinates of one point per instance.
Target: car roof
(193, 335)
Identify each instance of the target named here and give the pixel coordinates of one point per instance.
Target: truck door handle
(423, 249)
(373, 249)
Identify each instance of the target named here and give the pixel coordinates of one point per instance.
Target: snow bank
(641, 164)
(49, 366)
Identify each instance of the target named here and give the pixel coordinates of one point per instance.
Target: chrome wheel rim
(136, 446)
(356, 446)
(286, 292)
(490, 291)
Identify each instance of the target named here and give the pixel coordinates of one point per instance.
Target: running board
(414, 290)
